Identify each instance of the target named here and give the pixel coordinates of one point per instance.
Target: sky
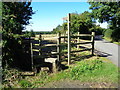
(48, 15)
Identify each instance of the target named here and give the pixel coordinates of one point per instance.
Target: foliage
(15, 16)
(42, 32)
(97, 29)
(92, 70)
(108, 33)
(82, 23)
(29, 33)
(10, 77)
(108, 12)
(25, 83)
(85, 66)
(58, 29)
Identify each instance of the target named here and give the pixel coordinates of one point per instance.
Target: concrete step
(54, 63)
(51, 60)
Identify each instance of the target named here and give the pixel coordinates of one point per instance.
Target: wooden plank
(51, 38)
(47, 45)
(65, 52)
(36, 38)
(79, 36)
(82, 35)
(76, 36)
(81, 43)
(36, 50)
(81, 50)
(36, 44)
(49, 54)
(63, 36)
(45, 35)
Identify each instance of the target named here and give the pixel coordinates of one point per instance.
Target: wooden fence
(60, 44)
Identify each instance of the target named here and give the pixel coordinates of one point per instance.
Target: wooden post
(64, 38)
(92, 40)
(78, 40)
(31, 55)
(40, 41)
(69, 40)
(58, 47)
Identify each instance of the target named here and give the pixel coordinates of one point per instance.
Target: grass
(110, 40)
(86, 69)
(94, 69)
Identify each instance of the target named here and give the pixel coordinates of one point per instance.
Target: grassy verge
(85, 69)
(110, 40)
(94, 69)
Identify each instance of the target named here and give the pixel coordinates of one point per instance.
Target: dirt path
(78, 84)
(66, 84)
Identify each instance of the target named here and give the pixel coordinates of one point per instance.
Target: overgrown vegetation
(85, 71)
(15, 15)
(13, 22)
(93, 70)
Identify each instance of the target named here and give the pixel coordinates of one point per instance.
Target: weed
(25, 83)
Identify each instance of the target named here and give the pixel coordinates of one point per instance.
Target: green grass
(95, 69)
(110, 40)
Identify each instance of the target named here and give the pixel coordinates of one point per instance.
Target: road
(108, 50)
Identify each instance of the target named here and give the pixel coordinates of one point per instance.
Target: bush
(25, 84)
(108, 33)
(116, 35)
(113, 34)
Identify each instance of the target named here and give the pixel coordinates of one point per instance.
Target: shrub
(25, 84)
(108, 33)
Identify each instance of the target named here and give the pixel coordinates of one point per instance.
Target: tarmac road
(109, 50)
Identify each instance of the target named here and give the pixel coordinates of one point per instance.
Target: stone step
(51, 60)
(54, 63)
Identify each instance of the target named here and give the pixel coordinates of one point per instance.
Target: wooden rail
(69, 44)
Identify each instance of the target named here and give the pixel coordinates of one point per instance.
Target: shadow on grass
(80, 58)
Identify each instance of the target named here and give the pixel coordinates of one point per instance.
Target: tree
(15, 16)
(108, 12)
(97, 29)
(81, 22)
(58, 29)
(32, 33)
